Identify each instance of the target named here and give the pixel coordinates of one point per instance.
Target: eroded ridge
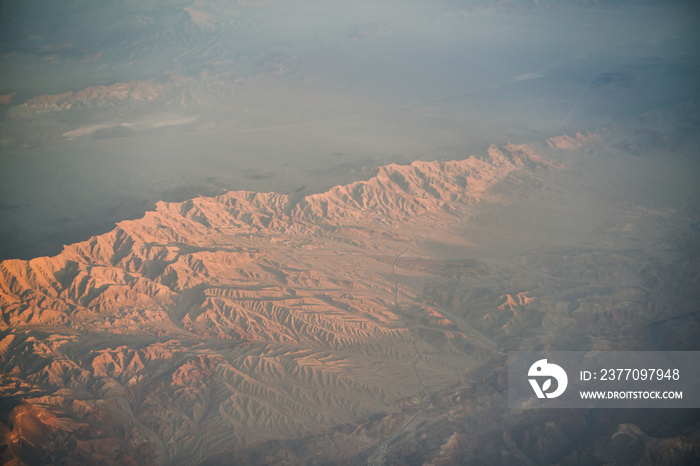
(221, 321)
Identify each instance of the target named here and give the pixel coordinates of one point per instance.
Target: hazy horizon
(281, 93)
(314, 232)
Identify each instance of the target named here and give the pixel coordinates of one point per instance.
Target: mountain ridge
(396, 193)
(248, 311)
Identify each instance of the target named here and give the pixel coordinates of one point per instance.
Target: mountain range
(343, 322)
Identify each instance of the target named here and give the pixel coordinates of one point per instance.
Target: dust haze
(277, 96)
(309, 232)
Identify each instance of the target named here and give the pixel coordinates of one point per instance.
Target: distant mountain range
(362, 312)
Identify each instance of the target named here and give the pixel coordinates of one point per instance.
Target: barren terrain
(211, 327)
(310, 232)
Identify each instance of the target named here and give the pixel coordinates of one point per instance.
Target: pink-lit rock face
(220, 321)
(310, 232)
(224, 325)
